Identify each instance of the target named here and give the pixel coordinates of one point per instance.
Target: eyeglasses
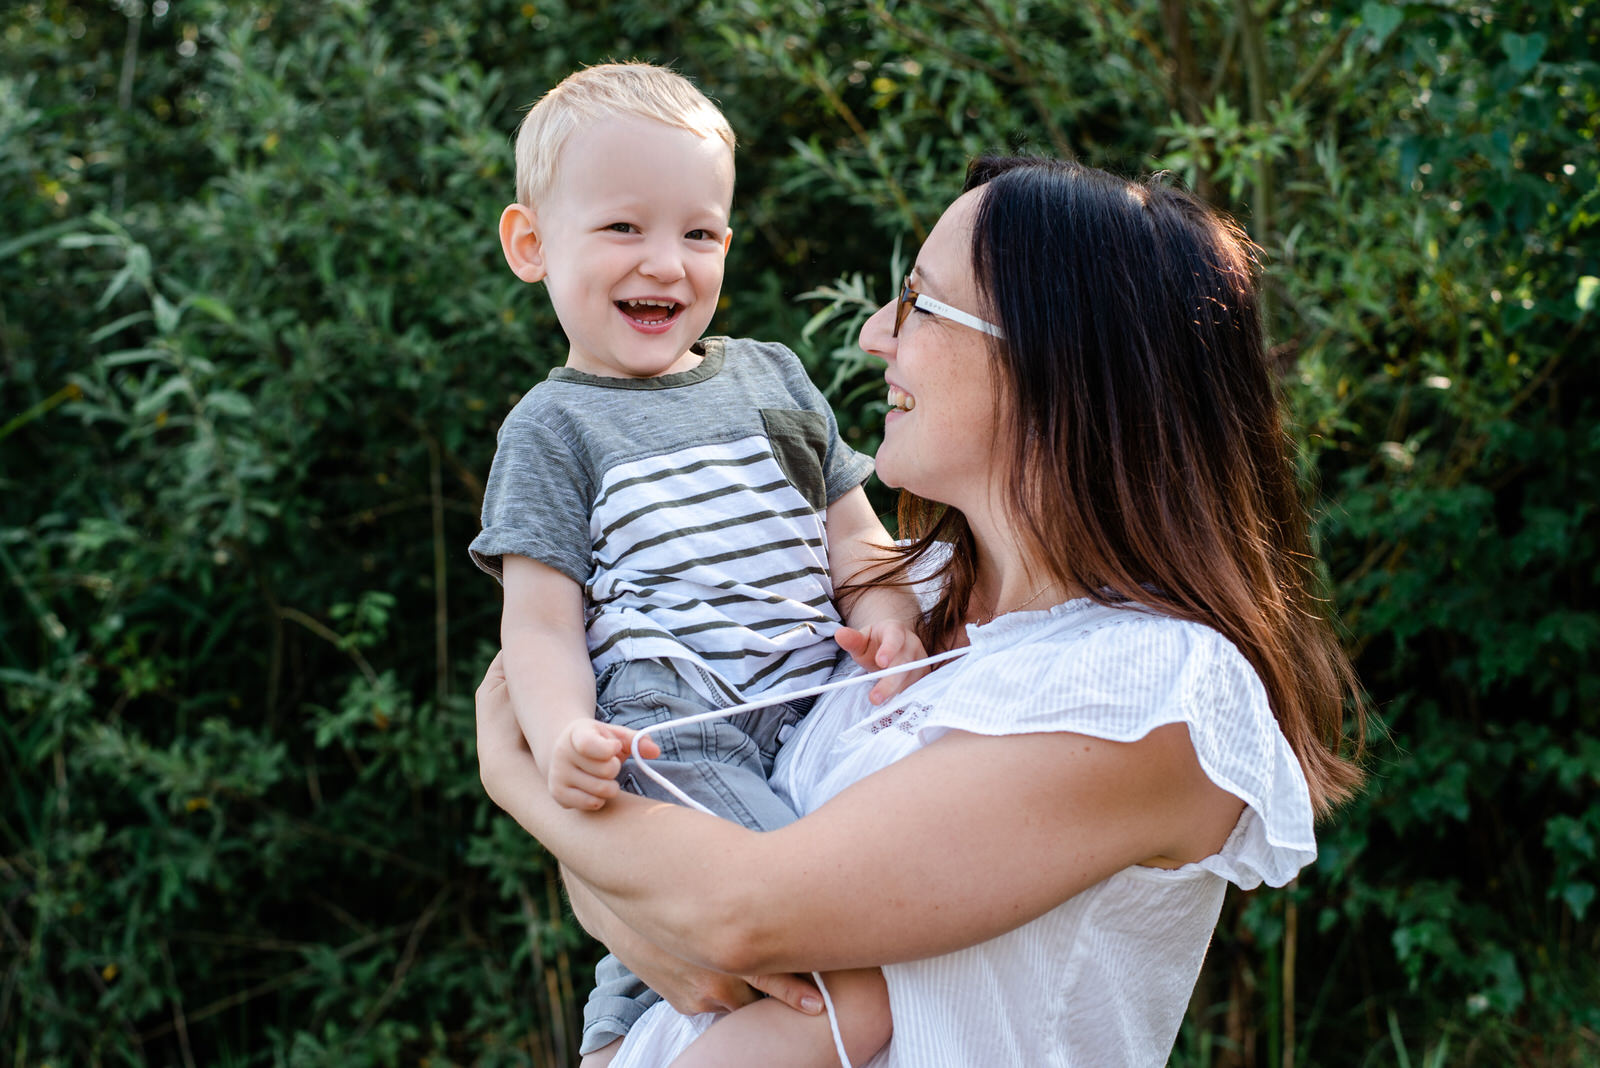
(910, 297)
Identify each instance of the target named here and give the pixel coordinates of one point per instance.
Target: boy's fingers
(584, 769)
(862, 647)
(890, 648)
(597, 787)
(624, 736)
(884, 689)
(570, 796)
(596, 745)
(851, 640)
(604, 789)
(898, 649)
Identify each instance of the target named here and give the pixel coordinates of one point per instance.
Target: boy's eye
(700, 235)
(622, 228)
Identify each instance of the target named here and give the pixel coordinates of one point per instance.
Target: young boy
(669, 516)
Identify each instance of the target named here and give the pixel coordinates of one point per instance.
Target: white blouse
(1105, 977)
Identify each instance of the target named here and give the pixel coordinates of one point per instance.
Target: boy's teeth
(647, 310)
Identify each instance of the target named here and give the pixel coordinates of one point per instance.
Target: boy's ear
(519, 241)
(727, 242)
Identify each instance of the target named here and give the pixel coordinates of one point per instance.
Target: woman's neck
(1009, 578)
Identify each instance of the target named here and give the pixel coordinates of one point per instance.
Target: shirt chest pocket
(800, 445)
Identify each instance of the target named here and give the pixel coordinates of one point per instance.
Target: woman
(1034, 839)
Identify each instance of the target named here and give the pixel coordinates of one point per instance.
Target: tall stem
(1254, 52)
(1291, 938)
(130, 63)
(441, 600)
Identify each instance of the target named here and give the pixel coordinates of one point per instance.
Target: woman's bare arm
(687, 987)
(965, 839)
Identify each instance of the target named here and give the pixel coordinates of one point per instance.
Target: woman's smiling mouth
(900, 400)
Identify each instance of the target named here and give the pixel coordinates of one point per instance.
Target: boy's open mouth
(649, 312)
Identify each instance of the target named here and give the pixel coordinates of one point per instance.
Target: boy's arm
(858, 549)
(885, 617)
(546, 656)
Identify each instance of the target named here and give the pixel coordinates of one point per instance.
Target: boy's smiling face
(630, 242)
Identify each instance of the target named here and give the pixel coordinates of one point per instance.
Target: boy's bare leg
(602, 1056)
(768, 1032)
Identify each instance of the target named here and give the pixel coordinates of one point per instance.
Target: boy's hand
(880, 646)
(585, 761)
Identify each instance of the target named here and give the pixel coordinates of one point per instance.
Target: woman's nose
(877, 333)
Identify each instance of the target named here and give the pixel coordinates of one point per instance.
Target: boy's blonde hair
(643, 90)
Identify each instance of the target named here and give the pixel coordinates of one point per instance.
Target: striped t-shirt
(690, 509)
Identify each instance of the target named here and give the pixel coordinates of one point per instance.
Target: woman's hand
(687, 987)
(503, 754)
(690, 989)
(506, 766)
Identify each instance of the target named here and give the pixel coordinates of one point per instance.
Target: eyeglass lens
(902, 307)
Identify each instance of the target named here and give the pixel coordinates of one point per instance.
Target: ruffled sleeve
(1118, 673)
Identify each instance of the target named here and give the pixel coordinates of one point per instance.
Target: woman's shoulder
(1114, 670)
(1118, 672)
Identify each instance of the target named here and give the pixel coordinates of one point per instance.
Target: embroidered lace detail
(906, 719)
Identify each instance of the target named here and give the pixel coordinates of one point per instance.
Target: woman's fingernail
(811, 1004)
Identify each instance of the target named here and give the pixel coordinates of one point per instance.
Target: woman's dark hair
(1148, 460)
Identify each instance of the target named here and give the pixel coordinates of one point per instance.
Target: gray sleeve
(537, 501)
(843, 468)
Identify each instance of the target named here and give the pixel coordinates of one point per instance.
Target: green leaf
(129, 357)
(117, 325)
(230, 402)
(212, 307)
(10, 248)
(1523, 50)
(1588, 285)
(1381, 20)
(167, 313)
(1578, 896)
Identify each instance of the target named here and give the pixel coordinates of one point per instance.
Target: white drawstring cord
(833, 1022)
(767, 702)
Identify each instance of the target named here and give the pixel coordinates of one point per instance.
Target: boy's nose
(662, 261)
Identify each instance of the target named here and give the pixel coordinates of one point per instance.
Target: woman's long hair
(1148, 461)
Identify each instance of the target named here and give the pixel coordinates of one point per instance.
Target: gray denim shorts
(721, 763)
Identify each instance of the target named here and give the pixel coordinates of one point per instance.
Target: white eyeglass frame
(910, 297)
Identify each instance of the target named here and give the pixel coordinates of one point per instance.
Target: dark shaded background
(256, 338)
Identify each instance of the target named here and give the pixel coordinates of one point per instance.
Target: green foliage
(256, 339)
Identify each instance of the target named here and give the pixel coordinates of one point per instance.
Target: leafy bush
(257, 336)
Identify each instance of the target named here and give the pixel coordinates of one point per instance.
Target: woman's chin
(886, 472)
